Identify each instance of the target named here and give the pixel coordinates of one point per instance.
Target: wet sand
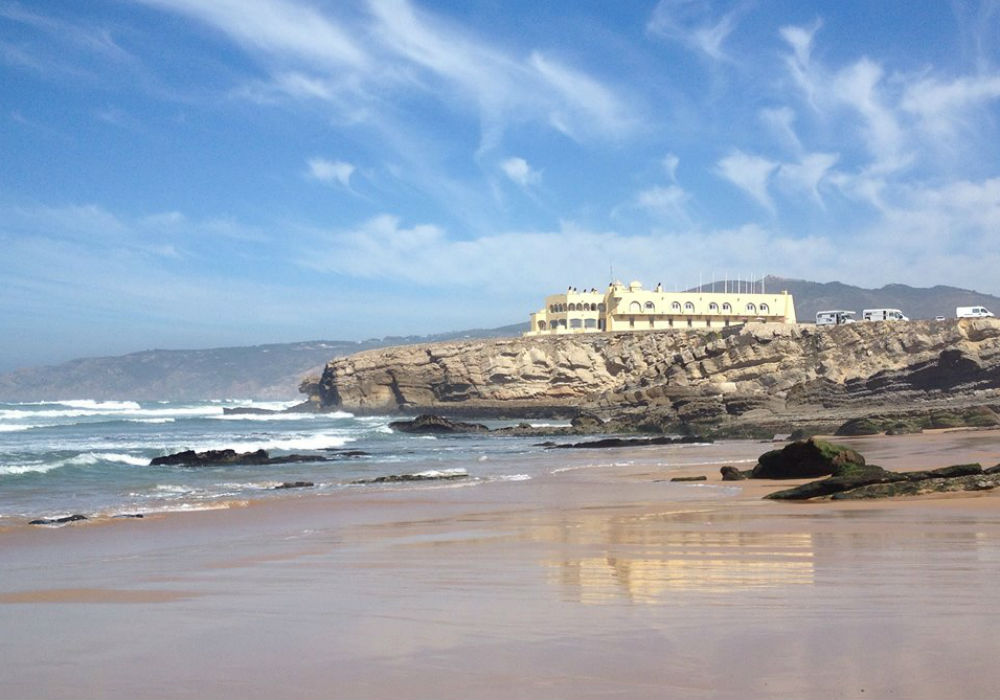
(597, 582)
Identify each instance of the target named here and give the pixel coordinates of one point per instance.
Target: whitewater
(80, 456)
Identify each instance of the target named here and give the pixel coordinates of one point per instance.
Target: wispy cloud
(518, 170)
(694, 24)
(330, 171)
(751, 174)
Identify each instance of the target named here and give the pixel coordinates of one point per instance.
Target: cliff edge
(757, 374)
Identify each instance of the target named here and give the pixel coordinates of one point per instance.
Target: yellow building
(632, 308)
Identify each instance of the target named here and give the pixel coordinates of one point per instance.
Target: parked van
(834, 317)
(973, 312)
(883, 315)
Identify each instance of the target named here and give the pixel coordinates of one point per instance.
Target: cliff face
(756, 372)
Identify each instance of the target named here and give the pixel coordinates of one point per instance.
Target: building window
(713, 307)
(764, 308)
(676, 306)
(751, 307)
(650, 307)
(541, 325)
(688, 307)
(600, 324)
(726, 308)
(590, 323)
(600, 307)
(575, 323)
(635, 308)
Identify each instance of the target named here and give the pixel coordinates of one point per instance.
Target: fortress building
(632, 308)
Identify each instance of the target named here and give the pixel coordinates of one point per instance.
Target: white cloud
(331, 171)
(781, 121)
(670, 201)
(693, 24)
(945, 109)
(807, 174)
(751, 174)
(670, 163)
(281, 27)
(518, 170)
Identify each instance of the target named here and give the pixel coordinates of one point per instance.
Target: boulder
(58, 521)
(295, 485)
(851, 479)
(805, 459)
(732, 474)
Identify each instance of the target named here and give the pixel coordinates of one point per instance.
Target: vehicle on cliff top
(973, 312)
(834, 317)
(883, 315)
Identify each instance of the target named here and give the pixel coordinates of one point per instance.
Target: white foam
(15, 428)
(442, 473)
(29, 467)
(513, 477)
(150, 420)
(100, 406)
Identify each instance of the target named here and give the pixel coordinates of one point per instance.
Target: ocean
(92, 458)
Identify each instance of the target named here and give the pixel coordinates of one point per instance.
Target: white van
(973, 312)
(883, 315)
(834, 317)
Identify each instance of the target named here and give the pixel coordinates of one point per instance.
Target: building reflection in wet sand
(642, 566)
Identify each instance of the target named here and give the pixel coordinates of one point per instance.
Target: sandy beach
(601, 580)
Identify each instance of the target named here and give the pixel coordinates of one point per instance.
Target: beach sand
(600, 580)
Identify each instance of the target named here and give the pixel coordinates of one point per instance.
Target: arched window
(713, 307)
(650, 307)
(726, 308)
(676, 306)
(635, 308)
(552, 308)
(541, 325)
(751, 307)
(688, 307)
(764, 308)
(600, 307)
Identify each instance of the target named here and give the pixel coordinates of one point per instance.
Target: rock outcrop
(770, 375)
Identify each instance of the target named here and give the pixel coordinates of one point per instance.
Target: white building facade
(632, 308)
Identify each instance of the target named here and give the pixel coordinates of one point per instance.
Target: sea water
(92, 458)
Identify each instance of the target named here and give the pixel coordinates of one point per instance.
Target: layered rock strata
(757, 374)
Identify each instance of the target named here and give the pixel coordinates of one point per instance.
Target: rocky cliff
(761, 374)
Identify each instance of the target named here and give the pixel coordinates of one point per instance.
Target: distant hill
(915, 302)
(259, 371)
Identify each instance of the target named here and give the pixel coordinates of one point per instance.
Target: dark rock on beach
(295, 485)
(690, 478)
(635, 442)
(805, 459)
(58, 521)
(247, 411)
(394, 478)
(435, 425)
(850, 479)
(730, 473)
(216, 458)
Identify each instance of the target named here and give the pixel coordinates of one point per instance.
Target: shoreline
(597, 580)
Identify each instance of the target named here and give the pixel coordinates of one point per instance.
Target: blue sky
(198, 173)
